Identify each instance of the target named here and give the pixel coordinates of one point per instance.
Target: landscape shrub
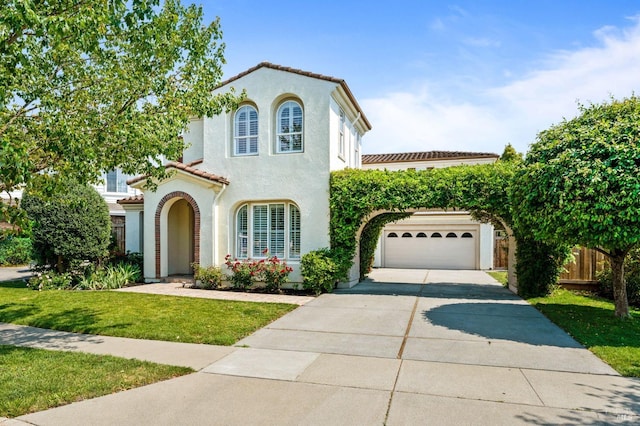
(69, 228)
(244, 273)
(51, 280)
(271, 270)
(319, 271)
(631, 275)
(538, 266)
(15, 251)
(274, 272)
(209, 277)
(109, 277)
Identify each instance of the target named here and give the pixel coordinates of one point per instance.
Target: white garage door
(424, 249)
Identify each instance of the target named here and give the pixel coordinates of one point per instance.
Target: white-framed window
(245, 131)
(341, 136)
(289, 127)
(116, 181)
(268, 227)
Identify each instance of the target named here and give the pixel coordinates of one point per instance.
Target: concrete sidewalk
(404, 347)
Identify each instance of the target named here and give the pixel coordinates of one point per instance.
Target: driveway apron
(403, 347)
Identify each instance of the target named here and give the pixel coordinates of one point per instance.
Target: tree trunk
(619, 283)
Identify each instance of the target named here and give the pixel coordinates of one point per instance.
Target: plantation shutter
(294, 232)
(260, 230)
(246, 131)
(276, 230)
(243, 233)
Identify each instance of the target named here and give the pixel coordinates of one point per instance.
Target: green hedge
(15, 251)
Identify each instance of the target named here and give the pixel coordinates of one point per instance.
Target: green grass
(36, 379)
(590, 320)
(141, 316)
(500, 276)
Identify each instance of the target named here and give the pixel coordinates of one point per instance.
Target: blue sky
(437, 75)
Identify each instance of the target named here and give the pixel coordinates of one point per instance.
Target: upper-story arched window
(289, 127)
(245, 131)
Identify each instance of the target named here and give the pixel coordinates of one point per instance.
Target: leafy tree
(581, 185)
(510, 154)
(69, 227)
(91, 85)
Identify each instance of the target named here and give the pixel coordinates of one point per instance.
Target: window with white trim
(245, 131)
(117, 181)
(268, 227)
(289, 128)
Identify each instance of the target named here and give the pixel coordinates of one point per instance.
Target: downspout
(215, 225)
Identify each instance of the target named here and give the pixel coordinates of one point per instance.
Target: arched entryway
(180, 241)
(177, 226)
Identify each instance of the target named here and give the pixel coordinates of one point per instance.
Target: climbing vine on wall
(356, 195)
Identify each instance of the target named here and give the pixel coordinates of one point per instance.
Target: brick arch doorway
(177, 234)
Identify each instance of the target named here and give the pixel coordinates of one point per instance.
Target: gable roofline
(189, 170)
(339, 81)
(405, 157)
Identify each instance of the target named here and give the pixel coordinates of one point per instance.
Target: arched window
(245, 131)
(421, 235)
(436, 235)
(289, 127)
(272, 228)
(467, 235)
(452, 235)
(407, 235)
(392, 235)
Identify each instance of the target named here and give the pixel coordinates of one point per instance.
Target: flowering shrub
(244, 272)
(272, 270)
(209, 277)
(51, 281)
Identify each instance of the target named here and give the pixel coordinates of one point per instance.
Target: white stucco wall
(266, 177)
(301, 178)
(194, 142)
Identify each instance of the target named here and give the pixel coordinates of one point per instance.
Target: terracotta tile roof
(188, 169)
(136, 199)
(424, 156)
(339, 81)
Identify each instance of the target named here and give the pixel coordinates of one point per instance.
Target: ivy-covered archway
(363, 201)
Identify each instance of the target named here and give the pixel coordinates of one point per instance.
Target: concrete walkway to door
(404, 347)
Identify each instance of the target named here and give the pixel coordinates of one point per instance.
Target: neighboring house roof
(423, 156)
(187, 169)
(339, 81)
(135, 199)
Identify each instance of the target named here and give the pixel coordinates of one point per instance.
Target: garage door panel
(431, 252)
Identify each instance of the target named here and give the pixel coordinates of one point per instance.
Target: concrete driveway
(404, 347)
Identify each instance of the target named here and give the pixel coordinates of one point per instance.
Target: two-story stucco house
(253, 180)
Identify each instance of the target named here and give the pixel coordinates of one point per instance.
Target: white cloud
(511, 113)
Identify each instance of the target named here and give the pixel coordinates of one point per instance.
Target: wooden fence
(580, 273)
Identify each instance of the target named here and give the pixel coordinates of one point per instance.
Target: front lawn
(590, 320)
(141, 316)
(35, 379)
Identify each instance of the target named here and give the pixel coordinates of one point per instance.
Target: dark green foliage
(319, 271)
(69, 227)
(632, 278)
(581, 185)
(538, 266)
(357, 194)
(369, 239)
(15, 251)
